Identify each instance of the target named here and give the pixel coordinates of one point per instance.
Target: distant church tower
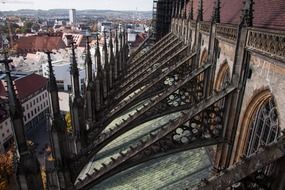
(72, 16)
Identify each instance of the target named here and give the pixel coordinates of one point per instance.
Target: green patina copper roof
(168, 172)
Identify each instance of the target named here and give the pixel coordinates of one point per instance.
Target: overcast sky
(140, 5)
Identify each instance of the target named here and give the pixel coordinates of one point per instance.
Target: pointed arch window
(263, 127)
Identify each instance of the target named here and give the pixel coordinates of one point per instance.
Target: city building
(32, 92)
(72, 16)
(105, 26)
(62, 73)
(6, 133)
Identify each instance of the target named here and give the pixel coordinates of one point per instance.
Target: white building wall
(6, 133)
(62, 75)
(34, 106)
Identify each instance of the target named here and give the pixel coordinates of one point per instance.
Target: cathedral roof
(167, 171)
(271, 17)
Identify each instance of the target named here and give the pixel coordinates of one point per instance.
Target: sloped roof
(165, 172)
(267, 14)
(168, 171)
(32, 44)
(25, 86)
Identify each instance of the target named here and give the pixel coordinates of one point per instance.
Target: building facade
(6, 133)
(32, 91)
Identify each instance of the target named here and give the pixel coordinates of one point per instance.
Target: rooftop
(25, 85)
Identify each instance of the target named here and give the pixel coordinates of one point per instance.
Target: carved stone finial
(191, 15)
(247, 13)
(52, 81)
(98, 57)
(177, 8)
(173, 9)
(217, 11)
(185, 9)
(200, 11)
(88, 61)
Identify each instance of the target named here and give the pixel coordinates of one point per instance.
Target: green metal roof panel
(123, 142)
(167, 172)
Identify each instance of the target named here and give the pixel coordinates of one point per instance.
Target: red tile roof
(25, 86)
(31, 44)
(267, 13)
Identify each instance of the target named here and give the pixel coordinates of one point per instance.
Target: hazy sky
(141, 5)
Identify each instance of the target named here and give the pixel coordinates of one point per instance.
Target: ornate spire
(180, 9)
(99, 79)
(76, 104)
(247, 14)
(112, 60)
(121, 51)
(216, 16)
(57, 133)
(105, 50)
(90, 90)
(173, 9)
(200, 11)
(185, 8)
(191, 14)
(88, 62)
(117, 57)
(106, 67)
(74, 72)
(52, 88)
(98, 58)
(177, 9)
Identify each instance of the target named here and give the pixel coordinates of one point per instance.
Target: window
(3, 135)
(28, 115)
(25, 118)
(38, 108)
(27, 106)
(8, 131)
(23, 108)
(44, 104)
(40, 98)
(31, 104)
(32, 113)
(35, 110)
(34, 101)
(264, 126)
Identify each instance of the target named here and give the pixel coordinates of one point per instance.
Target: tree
(6, 169)
(68, 122)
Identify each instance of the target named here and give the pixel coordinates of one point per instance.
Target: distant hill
(53, 13)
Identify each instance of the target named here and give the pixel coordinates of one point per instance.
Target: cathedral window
(263, 127)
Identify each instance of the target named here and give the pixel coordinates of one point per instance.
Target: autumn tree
(6, 169)
(68, 122)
